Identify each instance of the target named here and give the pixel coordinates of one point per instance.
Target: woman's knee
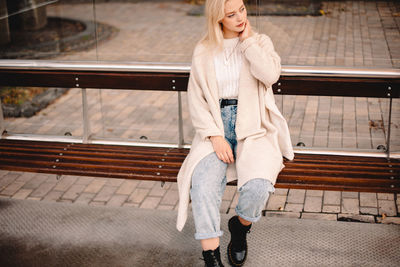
(258, 189)
(210, 171)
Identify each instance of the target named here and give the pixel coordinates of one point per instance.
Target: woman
(240, 133)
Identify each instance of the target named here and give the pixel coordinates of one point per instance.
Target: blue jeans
(209, 182)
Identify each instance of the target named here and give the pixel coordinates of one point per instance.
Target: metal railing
(294, 80)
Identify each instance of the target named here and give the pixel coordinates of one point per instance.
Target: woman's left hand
(246, 33)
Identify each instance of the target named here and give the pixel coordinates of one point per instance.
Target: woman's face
(235, 18)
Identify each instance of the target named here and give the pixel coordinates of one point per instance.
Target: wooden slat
(322, 172)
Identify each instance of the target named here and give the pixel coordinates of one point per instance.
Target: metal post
(180, 121)
(86, 124)
(389, 126)
(2, 123)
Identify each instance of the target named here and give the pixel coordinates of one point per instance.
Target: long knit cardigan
(262, 132)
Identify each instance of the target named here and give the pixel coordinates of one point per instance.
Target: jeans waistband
(228, 102)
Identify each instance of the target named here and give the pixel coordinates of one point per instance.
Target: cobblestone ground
(352, 34)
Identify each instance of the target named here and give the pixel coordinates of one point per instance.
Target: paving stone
(332, 197)
(229, 193)
(73, 192)
(346, 194)
(368, 210)
(95, 186)
(150, 202)
(387, 206)
(296, 196)
(174, 186)
(386, 196)
(85, 198)
(65, 200)
(318, 216)
(138, 195)
(115, 182)
(224, 206)
(65, 182)
(165, 207)
(283, 214)
(146, 184)
(331, 208)
(97, 203)
(157, 191)
(42, 190)
(314, 193)
(105, 193)
(356, 217)
(8, 178)
(235, 200)
(281, 191)
(22, 193)
(275, 202)
(294, 207)
(12, 188)
(25, 177)
(35, 182)
(34, 198)
(127, 187)
(388, 220)
(53, 196)
(350, 205)
(368, 199)
(129, 204)
(313, 204)
(85, 180)
(170, 198)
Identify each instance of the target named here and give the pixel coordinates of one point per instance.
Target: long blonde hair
(214, 11)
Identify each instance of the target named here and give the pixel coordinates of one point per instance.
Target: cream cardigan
(262, 132)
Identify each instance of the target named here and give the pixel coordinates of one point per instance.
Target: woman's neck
(230, 34)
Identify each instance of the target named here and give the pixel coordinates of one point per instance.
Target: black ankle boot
(212, 258)
(237, 248)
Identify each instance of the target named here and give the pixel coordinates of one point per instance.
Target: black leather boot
(237, 247)
(212, 258)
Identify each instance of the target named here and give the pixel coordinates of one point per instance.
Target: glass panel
(149, 116)
(47, 111)
(333, 33)
(336, 122)
(45, 29)
(307, 32)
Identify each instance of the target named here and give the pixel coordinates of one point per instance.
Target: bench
(323, 170)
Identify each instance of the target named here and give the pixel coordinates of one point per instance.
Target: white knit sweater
(227, 68)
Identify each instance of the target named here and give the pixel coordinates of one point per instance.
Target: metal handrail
(287, 70)
(182, 69)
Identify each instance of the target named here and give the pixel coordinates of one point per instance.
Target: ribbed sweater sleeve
(265, 63)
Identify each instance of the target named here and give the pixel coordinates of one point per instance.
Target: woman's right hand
(222, 149)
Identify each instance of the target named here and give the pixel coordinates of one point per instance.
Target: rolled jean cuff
(253, 220)
(198, 236)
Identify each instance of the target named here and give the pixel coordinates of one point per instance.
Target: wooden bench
(308, 171)
(322, 172)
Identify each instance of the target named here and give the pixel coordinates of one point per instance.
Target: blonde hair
(214, 10)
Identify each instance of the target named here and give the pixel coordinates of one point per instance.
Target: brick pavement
(293, 203)
(353, 33)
